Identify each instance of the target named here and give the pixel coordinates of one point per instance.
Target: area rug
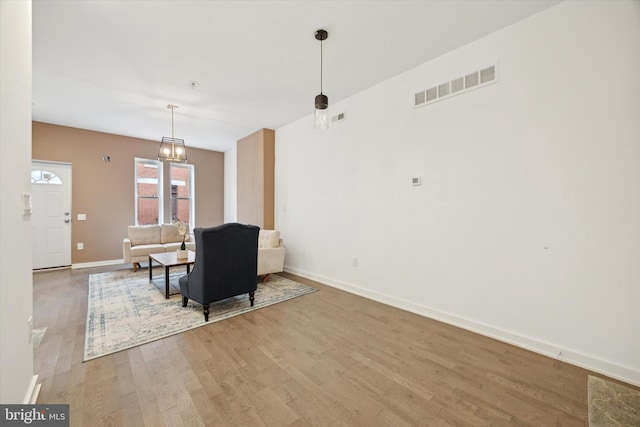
(124, 310)
(612, 404)
(36, 337)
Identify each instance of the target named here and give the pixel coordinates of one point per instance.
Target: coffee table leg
(166, 281)
(150, 271)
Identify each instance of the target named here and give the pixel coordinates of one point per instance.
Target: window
(148, 192)
(45, 177)
(151, 194)
(181, 192)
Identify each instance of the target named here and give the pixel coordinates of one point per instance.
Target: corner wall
(255, 178)
(230, 186)
(526, 226)
(17, 382)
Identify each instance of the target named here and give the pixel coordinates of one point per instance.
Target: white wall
(527, 225)
(230, 185)
(16, 287)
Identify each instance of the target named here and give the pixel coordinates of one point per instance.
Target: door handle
(66, 213)
(67, 221)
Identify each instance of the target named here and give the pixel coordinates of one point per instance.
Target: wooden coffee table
(169, 259)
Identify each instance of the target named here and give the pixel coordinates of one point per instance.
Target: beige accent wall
(255, 180)
(104, 191)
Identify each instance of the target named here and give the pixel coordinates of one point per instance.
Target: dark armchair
(226, 265)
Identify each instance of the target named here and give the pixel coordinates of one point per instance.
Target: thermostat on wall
(416, 180)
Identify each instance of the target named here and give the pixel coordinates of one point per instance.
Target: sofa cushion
(141, 250)
(144, 234)
(269, 239)
(169, 234)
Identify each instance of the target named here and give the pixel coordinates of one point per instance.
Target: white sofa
(143, 240)
(271, 253)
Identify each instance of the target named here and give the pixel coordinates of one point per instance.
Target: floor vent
(456, 86)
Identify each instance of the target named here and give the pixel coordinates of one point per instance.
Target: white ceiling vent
(456, 86)
(339, 117)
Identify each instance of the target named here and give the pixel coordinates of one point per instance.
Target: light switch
(27, 209)
(82, 217)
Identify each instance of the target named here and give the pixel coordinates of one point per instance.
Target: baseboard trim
(581, 360)
(31, 396)
(96, 263)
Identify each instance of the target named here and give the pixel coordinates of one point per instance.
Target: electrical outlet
(80, 246)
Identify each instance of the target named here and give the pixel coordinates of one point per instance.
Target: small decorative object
(182, 230)
(183, 253)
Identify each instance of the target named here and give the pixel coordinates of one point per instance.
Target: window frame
(164, 196)
(191, 186)
(50, 179)
(160, 193)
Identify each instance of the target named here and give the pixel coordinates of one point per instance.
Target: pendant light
(322, 101)
(172, 149)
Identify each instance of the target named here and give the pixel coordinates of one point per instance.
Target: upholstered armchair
(226, 265)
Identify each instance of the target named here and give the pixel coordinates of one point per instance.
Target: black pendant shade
(322, 102)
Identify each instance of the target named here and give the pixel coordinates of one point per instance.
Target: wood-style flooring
(329, 358)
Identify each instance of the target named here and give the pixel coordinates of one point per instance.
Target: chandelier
(172, 149)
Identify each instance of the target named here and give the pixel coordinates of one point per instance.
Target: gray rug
(124, 310)
(612, 404)
(36, 337)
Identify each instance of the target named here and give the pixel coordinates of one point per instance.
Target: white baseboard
(96, 263)
(621, 373)
(31, 396)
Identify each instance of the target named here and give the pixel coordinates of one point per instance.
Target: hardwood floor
(327, 358)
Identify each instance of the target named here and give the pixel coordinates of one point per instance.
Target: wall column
(255, 180)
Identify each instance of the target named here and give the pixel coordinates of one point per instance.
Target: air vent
(443, 90)
(487, 75)
(471, 80)
(339, 117)
(456, 86)
(432, 94)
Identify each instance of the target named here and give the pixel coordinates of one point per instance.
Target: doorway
(51, 217)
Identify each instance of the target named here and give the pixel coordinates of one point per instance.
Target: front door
(51, 217)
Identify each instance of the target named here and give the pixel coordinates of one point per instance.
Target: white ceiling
(113, 66)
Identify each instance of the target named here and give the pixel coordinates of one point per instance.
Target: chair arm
(271, 260)
(126, 250)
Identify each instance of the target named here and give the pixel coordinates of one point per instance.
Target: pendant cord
(172, 136)
(321, 66)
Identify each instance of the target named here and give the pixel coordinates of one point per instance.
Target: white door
(51, 217)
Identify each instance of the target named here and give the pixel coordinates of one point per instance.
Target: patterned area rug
(124, 310)
(36, 337)
(612, 404)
